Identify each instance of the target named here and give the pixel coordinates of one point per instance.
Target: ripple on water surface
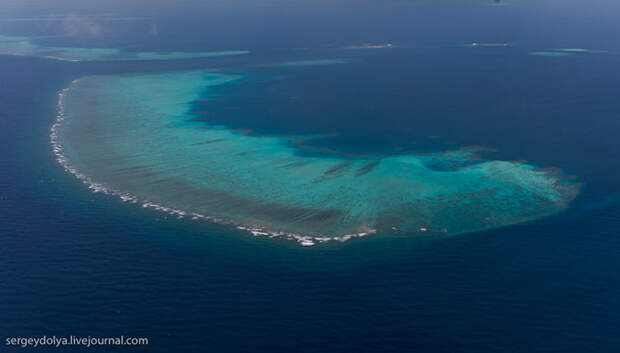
(133, 136)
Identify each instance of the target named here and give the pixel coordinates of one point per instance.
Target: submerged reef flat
(569, 51)
(490, 45)
(27, 46)
(581, 50)
(371, 46)
(549, 53)
(134, 136)
(72, 17)
(303, 63)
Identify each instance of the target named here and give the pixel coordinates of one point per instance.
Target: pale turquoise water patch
(568, 51)
(20, 45)
(4, 38)
(370, 46)
(574, 50)
(133, 135)
(490, 44)
(77, 54)
(549, 53)
(186, 55)
(62, 18)
(582, 50)
(304, 63)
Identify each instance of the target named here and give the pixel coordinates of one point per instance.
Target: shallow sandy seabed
(27, 46)
(133, 136)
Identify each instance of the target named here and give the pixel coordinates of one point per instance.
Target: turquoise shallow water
(29, 46)
(134, 136)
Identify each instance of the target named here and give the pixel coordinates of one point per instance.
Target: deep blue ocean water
(77, 263)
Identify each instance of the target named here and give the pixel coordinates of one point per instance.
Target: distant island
(371, 46)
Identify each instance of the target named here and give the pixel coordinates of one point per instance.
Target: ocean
(528, 81)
